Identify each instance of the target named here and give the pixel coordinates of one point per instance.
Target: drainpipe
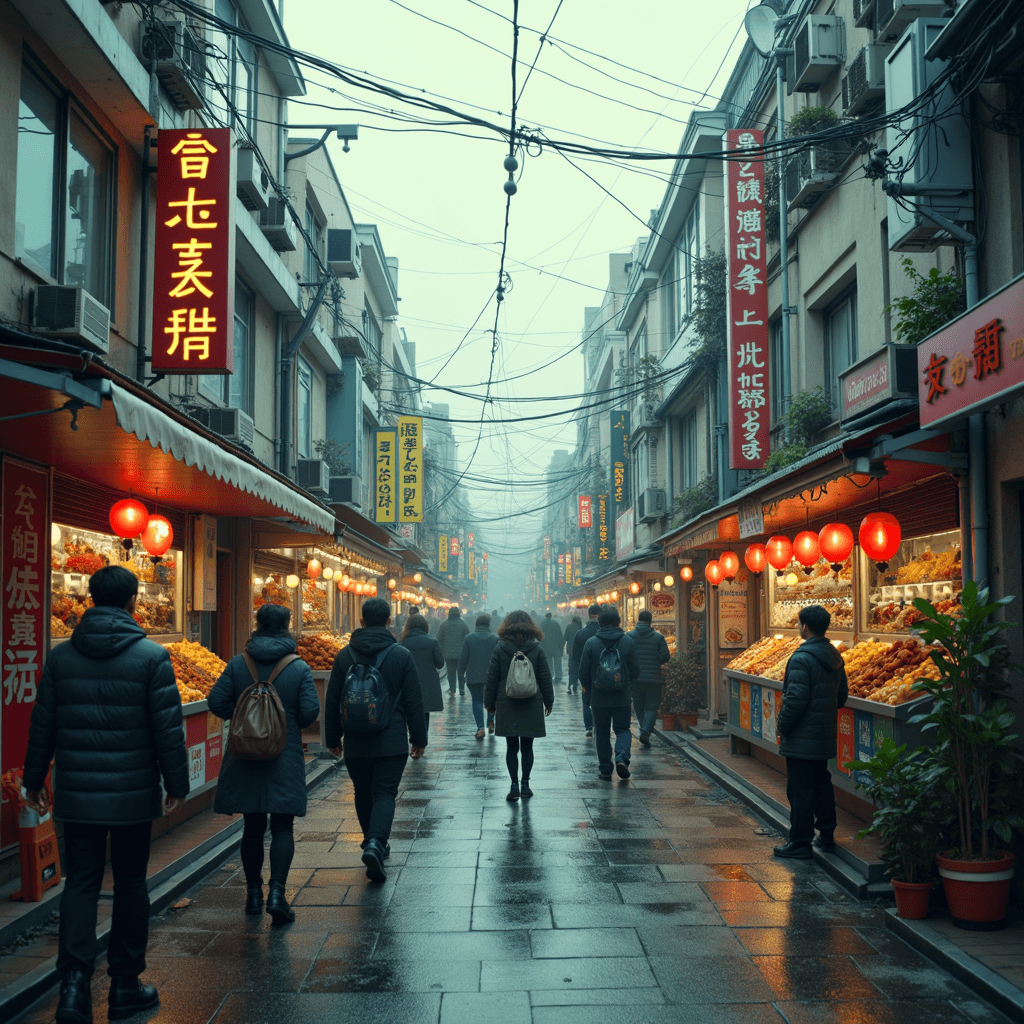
(780, 94)
(147, 145)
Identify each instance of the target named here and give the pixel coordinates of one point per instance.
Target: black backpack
(609, 675)
(367, 702)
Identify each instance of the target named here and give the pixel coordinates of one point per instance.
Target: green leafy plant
(685, 682)
(371, 376)
(909, 815)
(771, 201)
(690, 503)
(812, 120)
(707, 319)
(785, 456)
(936, 299)
(335, 455)
(975, 757)
(808, 415)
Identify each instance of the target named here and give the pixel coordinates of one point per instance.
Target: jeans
(556, 667)
(812, 801)
(85, 854)
(646, 701)
(588, 714)
(607, 720)
(452, 665)
(477, 693)
(375, 782)
(282, 846)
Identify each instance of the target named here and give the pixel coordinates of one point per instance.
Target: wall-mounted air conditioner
(277, 226)
(652, 505)
(343, 252)
(313, 475)
(72, 314)
(232, 425)
(863, 12)
(818, 49)
(893, 16)
(252, 181)
(180, 61)
(814, 171)
(344, 490)
(864, 81)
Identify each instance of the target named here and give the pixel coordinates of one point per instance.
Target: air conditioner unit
(863, 12)
(180, 61)
(62, 312)
(349, 343)
(813, 172)
(277, 226)
(893, 16)
(231, 424)
(344, 490)
(652, 505)
(864, 82)
(252, 182)
(343, 252)
(313, 475)
(818, 49)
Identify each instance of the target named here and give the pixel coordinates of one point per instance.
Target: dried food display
(58, 628)
(199, 656)
(315, 609)
(795, 590)
(319, 650)
(195, 668)
(874, 666)
(271, 590)
(765, 654)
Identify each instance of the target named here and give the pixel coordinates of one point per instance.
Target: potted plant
(909, 818)
(684, 688)
(975, 760)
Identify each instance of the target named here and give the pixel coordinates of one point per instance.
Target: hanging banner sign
(568, 568)
(442, 553)
(470, 539)
(561, 572)
(547, 547)
(585, 514)
(194, 252)
(455, 547)
(605, 531)
(472, 565)
(385, 445)
(410, 469)
(747, 302)
(620, 457)
(577, 561)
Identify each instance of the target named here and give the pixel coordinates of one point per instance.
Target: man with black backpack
(374, 702)
(608, 667)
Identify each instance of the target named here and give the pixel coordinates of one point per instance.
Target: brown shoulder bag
(259, 726)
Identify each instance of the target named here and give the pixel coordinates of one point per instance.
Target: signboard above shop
(883, 377)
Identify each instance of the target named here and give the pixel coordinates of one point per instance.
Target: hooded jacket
(426, 653)
(583, 634)
(652, 652)
(398, 670)
(813, 690)
(608, 636)
(554, 640)
(476, 656)
(108, 713)
(451, 633)
(518, 717)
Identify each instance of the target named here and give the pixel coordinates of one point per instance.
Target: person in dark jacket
(578, 643)
(108, 715)
(275, 788)
(376, 760)
(474, 660)
(553, 642)
(572, 628)
(652, 652)
(426, 653)
(520, 721)
(610, 707)
(813, 690)
(450, 635)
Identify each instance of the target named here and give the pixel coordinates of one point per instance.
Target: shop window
(776, 388)
(840, 341)
(235, 389)
(63, 195)
(304, 410)
(688, 451)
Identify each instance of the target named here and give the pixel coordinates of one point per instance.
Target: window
(231, 65)
(840, 341)
(688, 252)
(235, 389)
(304, 410)
(776, 384)
(311, 267)
(371, 331)
(688, 451)
(63, 195)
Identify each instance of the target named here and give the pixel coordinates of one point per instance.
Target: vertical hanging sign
(585, 515)
(385, 445)
(442, 553)
(620, 457)
(747, 302)
(194, 252)
(577, 562)
(410, 469)
(471, 565)
(455, 547)
(568, 568)
(605, 537)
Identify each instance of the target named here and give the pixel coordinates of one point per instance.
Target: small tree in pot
(685, 677)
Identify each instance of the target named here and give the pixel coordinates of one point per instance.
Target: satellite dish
(760, 24)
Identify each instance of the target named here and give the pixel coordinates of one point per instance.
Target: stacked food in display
(273, 591)
(319, 650)
(767, 654)
(314, 606)
(195, 668)
(884, 672)
(929, 567)
(898, 617)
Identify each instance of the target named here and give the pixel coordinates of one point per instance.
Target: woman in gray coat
(256, 789)
(520, 721)
(426, 652)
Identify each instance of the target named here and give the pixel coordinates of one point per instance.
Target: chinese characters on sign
(471, 570)
(620, 458)
(194, 252)
(568, 568)
(605, 537)
(577, 561)
(386, 445)
(747, 302)
(455, 547)
(547, 547)
(442, 553)
(585, 515)
(410, 469)
(470, 538)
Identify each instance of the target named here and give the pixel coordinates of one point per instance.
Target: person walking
(426, 653)
(377, 760)
(578, 643)
(814, 688)
(571, 629)
(108, 715)
(450, 635)
(553, 642)
(474, 660)
(609, 697)
(652, 652)
(521, 720)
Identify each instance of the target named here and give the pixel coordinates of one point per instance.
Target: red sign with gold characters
(747, 301)
(585, 516)
(194, 257)
(974, 362)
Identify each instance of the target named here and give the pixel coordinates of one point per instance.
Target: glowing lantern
(417, 578)
(634, 588)
(755, 558)
(836, 543)
(780, 553)
(157, 536)
(713, 573)
(792, 579)
(128, 518)
(328, 573)
(806, 549)
(686, 573)
(880, 536)
(730, 563)
(670, 581)
(614, 595)
(392, 584)
(313, 568)
(657, 586)
(341, 586)
(291, 581)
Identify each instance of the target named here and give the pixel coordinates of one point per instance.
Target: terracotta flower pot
(683, 722)
(977, 891)
(668, 723)
(912, 899)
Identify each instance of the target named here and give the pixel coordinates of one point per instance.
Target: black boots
(75, 1004)
(254, 898)
(128, 996)
(373, 858)
(795, 851)
(277, 905)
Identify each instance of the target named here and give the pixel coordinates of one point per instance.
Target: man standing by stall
(652, 650)
(813, 690)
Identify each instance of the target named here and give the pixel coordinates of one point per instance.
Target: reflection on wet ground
(593, 902)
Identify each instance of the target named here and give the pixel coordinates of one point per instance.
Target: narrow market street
(652, 899)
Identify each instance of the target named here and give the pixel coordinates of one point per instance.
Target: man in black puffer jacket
(652, 651)
(109, 714)
(813, 691)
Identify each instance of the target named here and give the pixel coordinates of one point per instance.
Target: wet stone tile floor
(656, 899)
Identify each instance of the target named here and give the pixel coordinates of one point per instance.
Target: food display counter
(796, 589)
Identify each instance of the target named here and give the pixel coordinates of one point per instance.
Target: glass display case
(316, 606)
(270, 584)
(795, 589)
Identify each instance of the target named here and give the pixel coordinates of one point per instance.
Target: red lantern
(780, 553)
(836, 543)
(713, 573)
(880, 536)
(806, 549)
(157, 536)
(730, 563)
(686, 573)
(314, 568)
(341, 586)
(128, 518)
(755, 558)
(634, 588)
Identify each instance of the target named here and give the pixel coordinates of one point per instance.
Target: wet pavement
(656, 899)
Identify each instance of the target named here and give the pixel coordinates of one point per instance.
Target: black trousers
(812, 801)
(452, 665)
(282, 846)
(375, 782)
(85, 854)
